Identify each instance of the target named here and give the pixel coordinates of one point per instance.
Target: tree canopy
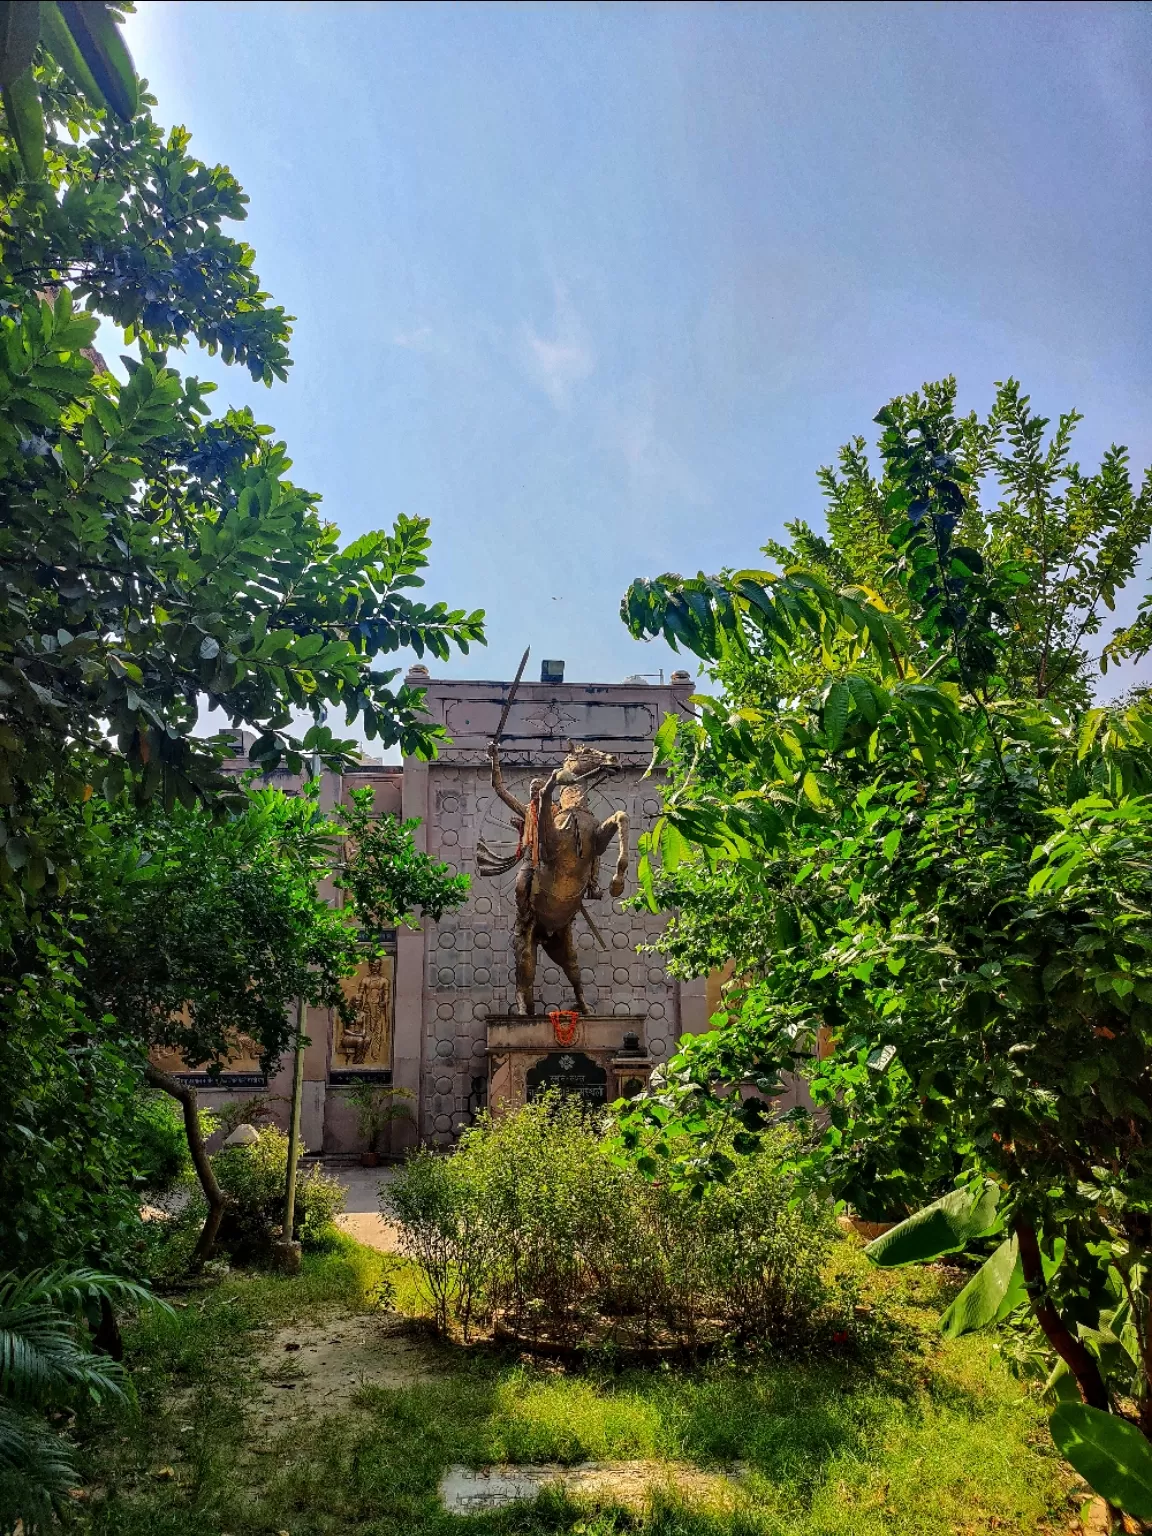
(914, 841)
(156, 562)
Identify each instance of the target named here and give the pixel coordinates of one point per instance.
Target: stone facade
(452, 978)
(465, 960)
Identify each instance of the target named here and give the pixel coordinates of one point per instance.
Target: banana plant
(83, 37)
(1111, 1453)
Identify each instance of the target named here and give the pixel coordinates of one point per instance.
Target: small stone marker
(468, 1491)
(243, 1136)
(464, 1491)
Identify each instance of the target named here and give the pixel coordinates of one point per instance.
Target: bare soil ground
(317, 1366)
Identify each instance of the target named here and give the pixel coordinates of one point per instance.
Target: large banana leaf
(994, 1291)
(1109, 1453)
(946, 1226)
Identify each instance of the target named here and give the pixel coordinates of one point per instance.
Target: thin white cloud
(558, 362)
(654, 465)
(421, 339)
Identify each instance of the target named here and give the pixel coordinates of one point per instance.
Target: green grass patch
(910, 1433)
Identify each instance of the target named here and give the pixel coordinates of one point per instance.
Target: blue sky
(598, 287)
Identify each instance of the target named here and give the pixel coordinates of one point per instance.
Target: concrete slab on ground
(319, 1364)
(362, 1219)
(471, 1491)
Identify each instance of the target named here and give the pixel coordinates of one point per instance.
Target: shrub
(253, 1179)
(532, 1222)
(444, 1232)
(161, 1151)
(47, 1364)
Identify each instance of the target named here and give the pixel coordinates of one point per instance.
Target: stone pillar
(408, 1022)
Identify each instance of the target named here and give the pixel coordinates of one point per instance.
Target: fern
(45, 1363)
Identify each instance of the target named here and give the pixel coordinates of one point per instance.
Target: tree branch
(215, 1196)
(1074, 1354)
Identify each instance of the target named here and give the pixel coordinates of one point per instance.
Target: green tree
(385, 877)
(155, 560)
(941, 859)
(202, 931)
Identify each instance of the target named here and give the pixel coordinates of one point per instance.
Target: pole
(290, 1250)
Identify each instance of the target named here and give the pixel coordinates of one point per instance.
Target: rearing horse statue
(559, 854)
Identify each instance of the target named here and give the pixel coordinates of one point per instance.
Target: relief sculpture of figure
(559, 856)
(368, 1037)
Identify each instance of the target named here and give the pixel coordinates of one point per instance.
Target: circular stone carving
(443, 1085)
(656, 1011)
(651, 807)
(551, 976)
(621, 1008)
(620, 975)
(620, 941)
(482, 940)
(655, 976)
(443, 1123)
(585, 941)
(480, 1010)
(449, 838)
(444, 1048)
(481, 977)
(446, 977)
(479, 1048)
(450, 803)
(657, 1047)
(482, 904)
(447, 941)
(444, 1011)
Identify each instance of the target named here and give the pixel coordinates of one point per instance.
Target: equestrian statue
(559, 856)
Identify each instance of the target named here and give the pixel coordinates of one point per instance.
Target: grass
(919, 1436)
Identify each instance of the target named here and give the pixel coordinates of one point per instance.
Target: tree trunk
(1076, 1357)
(107, 1339)
(217, 1201)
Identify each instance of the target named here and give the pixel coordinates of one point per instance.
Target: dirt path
(317, 1366)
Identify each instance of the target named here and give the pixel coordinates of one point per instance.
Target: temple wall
(465, 961)
(451, 977)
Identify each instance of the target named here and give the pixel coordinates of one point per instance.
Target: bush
(532, 1223)
(444, 1231)
(253, 1177)
(161, 1150)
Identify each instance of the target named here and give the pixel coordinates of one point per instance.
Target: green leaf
(835, 714)
(946, 1226)
(1089, 730)
(72, 457)
(982, 1301)
(26, 121)
(62, 46)
(1110, 1454)
(98, 38)
(663, 742)
(19, 34)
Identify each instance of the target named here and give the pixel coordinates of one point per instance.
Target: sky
(598, 288)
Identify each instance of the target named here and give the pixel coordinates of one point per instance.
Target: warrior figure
(559, 856)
